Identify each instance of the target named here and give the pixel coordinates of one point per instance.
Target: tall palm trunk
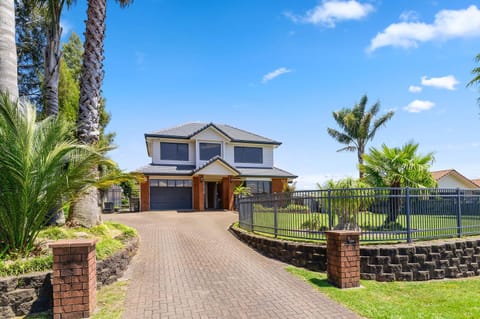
(52, 65)
(86, 210)
(8, 49)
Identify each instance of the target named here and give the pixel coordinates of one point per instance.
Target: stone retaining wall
(32, 293)
(454, 258)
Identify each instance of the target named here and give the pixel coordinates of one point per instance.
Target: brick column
(198, 193)
(74, 278)
(145, 195)
(343, 258)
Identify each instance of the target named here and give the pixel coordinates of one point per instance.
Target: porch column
(145, 195)
(198, 193)
(227, 193)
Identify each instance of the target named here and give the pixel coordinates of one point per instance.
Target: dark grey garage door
(170, 198)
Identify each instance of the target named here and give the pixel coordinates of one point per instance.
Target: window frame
(209, 157)
(240, 157)
(178, 152)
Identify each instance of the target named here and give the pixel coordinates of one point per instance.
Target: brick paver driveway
(190, 266)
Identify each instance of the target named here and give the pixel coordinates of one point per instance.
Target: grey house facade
(198, 165)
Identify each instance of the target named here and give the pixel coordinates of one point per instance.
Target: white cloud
(409, 16)
(417, 106)
(445, 82)
(272, 75)
(447, 24)
(329, 12)
(414, 89)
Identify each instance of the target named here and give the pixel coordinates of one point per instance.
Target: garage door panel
(170, 198)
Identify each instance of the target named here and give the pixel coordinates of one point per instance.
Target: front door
(213, 195)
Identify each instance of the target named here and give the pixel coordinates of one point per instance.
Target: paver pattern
(190, 266)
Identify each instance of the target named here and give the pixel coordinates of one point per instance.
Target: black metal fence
(383, 214)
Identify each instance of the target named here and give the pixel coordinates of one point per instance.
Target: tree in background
(397, 167)
(357, 128)
(8, 50)
(30, 41)
(86, 210)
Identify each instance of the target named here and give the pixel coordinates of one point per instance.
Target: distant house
(450, 178)
(476, 181)
(198, 165)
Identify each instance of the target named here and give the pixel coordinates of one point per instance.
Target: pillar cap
(69, 243)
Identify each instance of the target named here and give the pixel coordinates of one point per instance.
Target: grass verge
(443, 299)
(110, 303)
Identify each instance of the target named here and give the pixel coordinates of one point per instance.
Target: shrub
(42, 166)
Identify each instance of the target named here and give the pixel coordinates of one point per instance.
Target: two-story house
(198, 165)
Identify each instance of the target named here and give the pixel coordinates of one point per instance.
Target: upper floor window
(174, 151)
(248, 154)
(209, 150)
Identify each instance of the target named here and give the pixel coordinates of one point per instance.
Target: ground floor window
(170, 183)
(259, 187)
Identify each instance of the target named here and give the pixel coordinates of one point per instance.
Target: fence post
(275, 214)
(408, 215)
(459, 214)
(330, 217)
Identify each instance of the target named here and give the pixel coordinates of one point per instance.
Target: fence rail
(383, 214)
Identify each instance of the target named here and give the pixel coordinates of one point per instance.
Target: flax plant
(41, 165)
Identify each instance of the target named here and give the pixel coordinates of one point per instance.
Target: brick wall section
(343, 255)
(74, 278)
(278, 184)
(145, 195)
(458, 258)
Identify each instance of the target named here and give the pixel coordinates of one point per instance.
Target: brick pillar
(343, 258)
(198, 193)
(74, 278)
(145, 195)
(227, 192)
(278, 184)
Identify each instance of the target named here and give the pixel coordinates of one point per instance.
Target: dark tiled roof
(265, 172)
(190, 170)
(188, 130)
(152, 169)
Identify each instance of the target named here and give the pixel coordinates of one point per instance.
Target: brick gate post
(74, 278)
(343, 258)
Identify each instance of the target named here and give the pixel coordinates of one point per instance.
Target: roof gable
(216, 166)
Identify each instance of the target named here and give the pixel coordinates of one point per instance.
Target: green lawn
(292, 224)
(443, 299)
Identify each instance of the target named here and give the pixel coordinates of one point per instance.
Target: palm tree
(397, 167)
(476, 74)
(53, 53)
(8, 51)
(357, 127)
(42, 165)
(86, 210)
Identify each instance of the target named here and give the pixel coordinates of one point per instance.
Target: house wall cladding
(401, 262)
(33, 293)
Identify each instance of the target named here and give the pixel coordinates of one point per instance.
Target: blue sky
(280, 67)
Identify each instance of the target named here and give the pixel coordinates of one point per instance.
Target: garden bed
(23, 291)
